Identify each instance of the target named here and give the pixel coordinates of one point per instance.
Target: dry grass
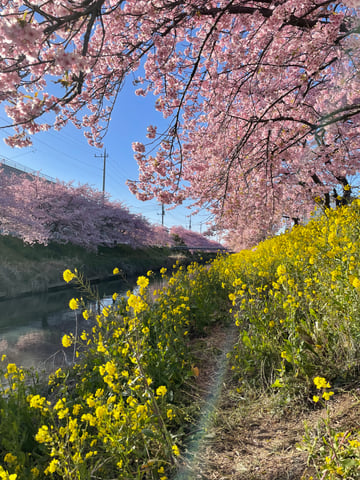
(252, 438)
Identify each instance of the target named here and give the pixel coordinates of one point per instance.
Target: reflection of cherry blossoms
(262, 97)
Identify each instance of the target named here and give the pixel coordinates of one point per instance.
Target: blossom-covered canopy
(262, 96)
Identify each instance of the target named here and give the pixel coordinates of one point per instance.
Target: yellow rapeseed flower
(66, 341)
(327, 395)
(43, 435)
(10, 458)
(355, 282)
(68, 275)
(100, 411)
(170, 414)
(52, 466)
(59, 405)
(4, 475)
(36, 401)
(137, 304)
(87, 417)
(12, 368)
(161, 391)
(143, 282)
(321, 382)
(35, 471)
(110, 367)
(76, 409)
(176, 450)
(281, 270)
(74, 304)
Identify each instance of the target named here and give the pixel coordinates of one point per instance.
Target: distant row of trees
(39, 211)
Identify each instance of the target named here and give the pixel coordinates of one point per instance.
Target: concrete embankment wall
(26, 269)
(30, 269)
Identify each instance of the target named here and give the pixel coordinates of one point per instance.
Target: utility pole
(162, 214)
(104, 156)
(186, 216)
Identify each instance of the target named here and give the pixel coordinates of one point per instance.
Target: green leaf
(278, 383)
(147, 432)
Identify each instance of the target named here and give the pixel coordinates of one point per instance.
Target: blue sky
(66, 155)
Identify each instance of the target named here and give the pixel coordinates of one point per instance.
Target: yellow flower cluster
(161, 391)
(136, 303)
(295, 299)
(4, 475)
(68, 275)
(129, 405)
(67, 341)
(74, 304)
(322, 384)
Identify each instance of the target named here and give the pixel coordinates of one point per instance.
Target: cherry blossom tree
(262, 96)
(160, 237)
(39, 211)
(193, 240)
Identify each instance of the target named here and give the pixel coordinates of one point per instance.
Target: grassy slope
(25, 268)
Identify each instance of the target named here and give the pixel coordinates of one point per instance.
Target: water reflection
(31, 327)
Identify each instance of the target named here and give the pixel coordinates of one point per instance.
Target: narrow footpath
(239, 438)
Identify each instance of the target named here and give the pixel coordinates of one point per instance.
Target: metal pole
(104, 172)
(104, 156)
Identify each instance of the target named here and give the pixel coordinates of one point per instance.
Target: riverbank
(27, 269)
(247, 369)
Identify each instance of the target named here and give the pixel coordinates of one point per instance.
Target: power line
(57, 135)
(66, 154)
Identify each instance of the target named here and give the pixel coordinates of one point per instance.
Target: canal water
(31, 327)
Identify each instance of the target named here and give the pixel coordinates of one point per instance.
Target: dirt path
(239, 440)
(213, 369)
(262, 445)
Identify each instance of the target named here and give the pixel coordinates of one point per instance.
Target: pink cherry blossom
(39, 211)
(262, 97)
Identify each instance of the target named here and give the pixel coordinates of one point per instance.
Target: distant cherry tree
(193, 240)
(39, 211)
(262, 97)
(160, 236)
